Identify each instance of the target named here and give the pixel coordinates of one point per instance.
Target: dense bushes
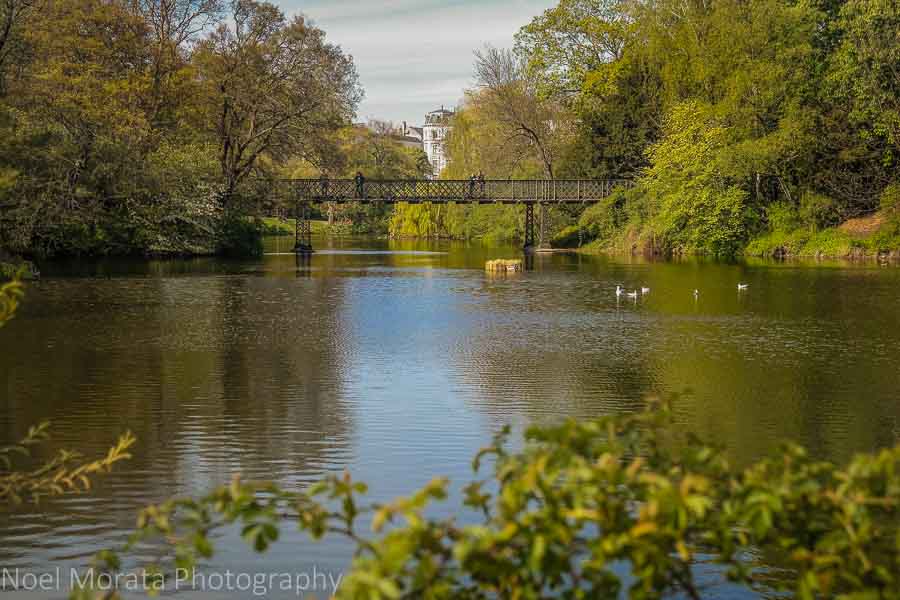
(240, 237)
(585, 510)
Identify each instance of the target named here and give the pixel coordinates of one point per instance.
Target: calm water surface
(398, 361)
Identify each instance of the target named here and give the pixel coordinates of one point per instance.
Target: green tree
(568, 42)
(530, 124)
(173, 26)
(272, 85)
(14, 14)
(697, 203)
(867, 68)
(469, 154)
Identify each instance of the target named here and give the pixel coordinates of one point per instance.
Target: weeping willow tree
(471, 151)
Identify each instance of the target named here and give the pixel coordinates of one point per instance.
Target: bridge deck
(503, 191)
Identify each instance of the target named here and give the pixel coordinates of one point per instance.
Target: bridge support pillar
(302, 229)
(529, 227)
(537, 234)
(544, 241)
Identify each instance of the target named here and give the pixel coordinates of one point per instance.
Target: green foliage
(125, 128)
(886, 240)
(830, 242)
(804, 242)
(810, 229)
(417, 220)
(489, 223)
(599, 30)
(601, 221)
(890, 200)
(470, 155)
(818, 211)
(866, 66)
(240, 237)
(782, 217)
(584, 509)
(721, 109)
(699, 207)
(569, 237)
(11, 293)
(65, 473)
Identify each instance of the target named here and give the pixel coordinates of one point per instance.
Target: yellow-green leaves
(582, 511)
(66, 472)
(10, 295)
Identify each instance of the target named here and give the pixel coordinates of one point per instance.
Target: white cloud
(414, 55)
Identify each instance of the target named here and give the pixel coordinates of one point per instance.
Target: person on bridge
(360, 181)
(323, 181)
(481, 183)
(472, 180)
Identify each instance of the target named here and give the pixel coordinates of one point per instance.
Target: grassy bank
(833, 242)
(875, 235)
(633, 222)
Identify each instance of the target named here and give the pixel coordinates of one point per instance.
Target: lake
(398, 360)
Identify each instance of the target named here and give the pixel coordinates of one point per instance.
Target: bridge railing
(464, 190)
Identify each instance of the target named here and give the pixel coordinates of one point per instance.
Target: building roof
(438, 117)
(407, 140)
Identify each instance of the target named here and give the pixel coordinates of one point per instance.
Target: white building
(434, 134)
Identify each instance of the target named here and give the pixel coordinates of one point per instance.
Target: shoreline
(858, 255)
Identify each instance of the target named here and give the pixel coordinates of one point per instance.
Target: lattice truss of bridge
(301, 194)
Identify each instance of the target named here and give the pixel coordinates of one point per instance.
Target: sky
(415, 55)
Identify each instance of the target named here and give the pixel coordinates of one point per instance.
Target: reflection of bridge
(542, 193)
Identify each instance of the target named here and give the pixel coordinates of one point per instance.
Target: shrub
(887, 238)
(890, 200)
(240, 238)
(600, 222)
(782, 216)
(830, 242)
(778, 243)
(584, 510)
(819, 212)
(570, 237)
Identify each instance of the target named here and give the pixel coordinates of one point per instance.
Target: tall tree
(868, 66)
(570, 40)
(271, 85)
(173, 25)
(530, 122)
(13, 16)
(84, 88)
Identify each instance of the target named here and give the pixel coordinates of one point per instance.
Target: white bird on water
(619, 291)
(645, 290)
(633, 294)
(696, 293)
(743, 286)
